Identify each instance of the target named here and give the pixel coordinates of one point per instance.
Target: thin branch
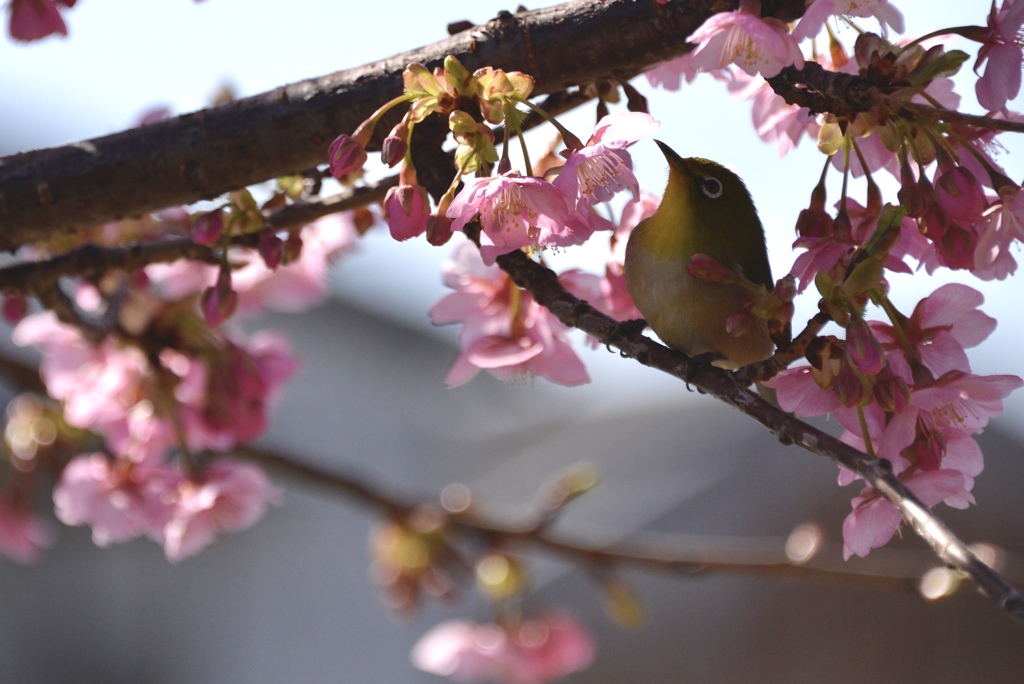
(762, 557)
(960, 118)
(543, 284)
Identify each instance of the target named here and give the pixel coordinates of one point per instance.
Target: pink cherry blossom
(515, 212)
(755, 45)
(531, 652)
(601, 169)
(874, 519)
(229, 496)
(505, 332)
(101, 385)
(1001, 228)
(940, 328)
(119, 499)
(35, 19)
(23, 533)
(1001, 55)
(670, 75)
(775, 120)
(819, 11)
(224, 400)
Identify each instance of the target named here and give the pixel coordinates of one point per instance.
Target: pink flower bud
(960, 195)
(849, 386)
(345, 155)
(292, 248)
(709, 269)
(813, 224)
(439, 229)
(219, 302)
(891, 392)
(910, 196)
(957, 246)
(408, 210)
(14, 307)
(863, 351)
(209, 228)
(395, 146)
(739, 324)
(927, 449)
(271, 249)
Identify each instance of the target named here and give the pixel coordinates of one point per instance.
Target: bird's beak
(674, 160)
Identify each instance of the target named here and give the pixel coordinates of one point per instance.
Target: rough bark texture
(207, 153)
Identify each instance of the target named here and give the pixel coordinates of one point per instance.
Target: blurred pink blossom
(293, 287)
(35, 19)
(23, 533)
(532, 652)
(755, 45)
(119, 499)
(1001, 54)
(229, 496)
(819, 11)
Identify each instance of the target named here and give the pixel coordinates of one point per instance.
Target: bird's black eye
(711, 187)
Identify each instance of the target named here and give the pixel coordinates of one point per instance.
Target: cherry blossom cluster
(903, 389)
(504, 331)
(418, 554)
(147, 364)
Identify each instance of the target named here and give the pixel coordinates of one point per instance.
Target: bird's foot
(628, 328)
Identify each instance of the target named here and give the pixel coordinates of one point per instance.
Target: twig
(543, 284)
(675, 554)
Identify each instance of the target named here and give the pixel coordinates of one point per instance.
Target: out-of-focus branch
(543, 284)
(762, 556)
(210, 152)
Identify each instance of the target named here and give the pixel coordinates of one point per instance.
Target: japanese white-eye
(706, 209)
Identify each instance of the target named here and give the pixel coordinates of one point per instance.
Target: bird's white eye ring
(711, 187)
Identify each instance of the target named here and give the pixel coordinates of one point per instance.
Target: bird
(706, 209)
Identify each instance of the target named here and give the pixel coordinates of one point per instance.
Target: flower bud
(14, 307)
(395, 146)
(960, 195)
(208, 228)
(345, 155)
(439, 229)
(219, 302)
(271, 249)
(710, 270)
(408, 211)
(863, 350)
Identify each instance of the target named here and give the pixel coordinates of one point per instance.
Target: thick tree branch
(544, 286)
(210, 152)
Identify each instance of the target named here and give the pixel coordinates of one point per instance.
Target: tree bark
(207, 153)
